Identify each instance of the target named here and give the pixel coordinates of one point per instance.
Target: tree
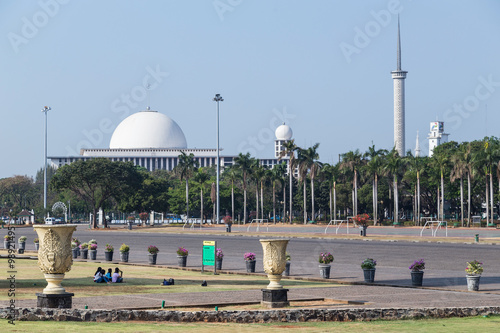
(276, 175)
(201, 177)
(394, 166)
(458, 171)
(97, 180)
(231, 173)
(289, 151)
(311, 156)
(352, 161)
(375, 168)
(416, 164)
(331, 174)
(243, 162)
(152, 195)
(187, 165)
(302, 164)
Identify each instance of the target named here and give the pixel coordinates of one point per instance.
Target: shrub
(92, 241)
(92, 246)
(124, 248)
(368, 263)
(182, 252)
(36, 240)
(417, 266)
(109, 248)
(153, 249)
(474, 268)
(84, 246)
(288, 256)
(22, 239)
(219, 254)
(249, 256)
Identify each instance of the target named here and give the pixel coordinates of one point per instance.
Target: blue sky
(321, 66)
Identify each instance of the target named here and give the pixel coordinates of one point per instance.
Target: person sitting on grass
(117, 276)
(98, 277)
(109, 274)
(105, 278)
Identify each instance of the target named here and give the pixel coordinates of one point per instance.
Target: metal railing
(258, 222)
(434, 226)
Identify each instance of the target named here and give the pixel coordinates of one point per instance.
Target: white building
(436, 135)
(154, 141)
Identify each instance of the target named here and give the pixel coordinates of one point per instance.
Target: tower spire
(417, 147)
(399, 49)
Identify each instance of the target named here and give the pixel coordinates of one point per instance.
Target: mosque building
(153, 140)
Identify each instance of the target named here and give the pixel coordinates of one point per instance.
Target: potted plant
(288, 257)
(124, 250)
(22, 244)
(108, 252)
(6, 241)
(84, 248)
(228, 221)
(417, 272)
(74, 250)
(219, 255)
(182, 254)
(362, 221)
(368, 266)
(37, 243)
(324, 264)
(93, 251)
(144, 218)
(474, 270)
(77, 245)
(153, 253)
(130, 220)
(250, 261)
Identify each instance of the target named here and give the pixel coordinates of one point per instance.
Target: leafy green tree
(353, 161)
(243, 162)
(374, 167)
(97, 180)
(201, 177)
(185, 168)
(289, 149)
(394, 166)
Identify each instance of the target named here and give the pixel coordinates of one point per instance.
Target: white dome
(283, 132)
(147, 129)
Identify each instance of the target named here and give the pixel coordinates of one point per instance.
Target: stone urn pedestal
(274, 296)
(54, 260)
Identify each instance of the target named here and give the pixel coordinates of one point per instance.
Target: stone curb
(258, 316)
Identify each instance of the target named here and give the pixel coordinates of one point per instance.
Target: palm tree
(374, 167)
(303, 166)
(331, 174)
(231, 173)
(244, 164)
(260, 174)
(201, 177)
(416, 164)
(311, 157)
(187, 164)
(394, 166)
(440, 162)
(353, 161)
(289, 149)
(276, 175)
(458, 172)
(466, 151)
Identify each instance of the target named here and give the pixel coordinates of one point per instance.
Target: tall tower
(417, 147)
(399, 77)
(436, 136)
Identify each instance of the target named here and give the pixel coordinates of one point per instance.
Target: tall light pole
(45, 110)
(218, 98)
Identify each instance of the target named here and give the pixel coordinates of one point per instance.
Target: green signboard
(209, 253)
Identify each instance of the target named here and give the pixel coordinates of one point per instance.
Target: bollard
(477, 238)
(86, 307)
(216, 308)
(162, 304)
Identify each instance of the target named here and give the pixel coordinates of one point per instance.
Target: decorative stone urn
(274, 260)
(54, 255)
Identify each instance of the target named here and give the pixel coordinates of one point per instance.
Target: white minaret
(436, 136)
(417, 148)
(399, 77)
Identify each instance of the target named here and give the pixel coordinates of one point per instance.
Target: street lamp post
(45, 110)
(218, 98)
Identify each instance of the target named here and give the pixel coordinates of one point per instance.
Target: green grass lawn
(138, 280)
(462, 325)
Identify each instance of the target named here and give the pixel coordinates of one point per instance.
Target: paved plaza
(444, 278)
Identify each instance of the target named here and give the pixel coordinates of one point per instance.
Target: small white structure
(283, 134)
(437, 135)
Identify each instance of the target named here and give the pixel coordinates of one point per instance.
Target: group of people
(101, 275)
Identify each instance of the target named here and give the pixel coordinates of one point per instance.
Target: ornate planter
(369, 275)
(250, 266)
(21, 245)
(324, 271)
(74, 252)
(37, 246)
(152, 258)
(473, 282)
(287, 269)
(108, 255)
(218, 264)
(417, 278)
(54, 257)
(182, 261)
(85, 253)
(274, 260)
(93, 254)
(124, 256)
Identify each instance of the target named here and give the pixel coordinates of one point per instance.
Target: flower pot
(362, 230)
(93, 254)
(182, 261)
(85, 254)
(152, 258)
(37, 246)
(369, 275)
(74, 252)
(250, 266)
(218, 264)
(78, 253)
(22, 245)
(324, 271)
(108, 255)
(228, 227)
(416, 278)
(124, 256)
(6, 244)
(473, 282)
(287, 269)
